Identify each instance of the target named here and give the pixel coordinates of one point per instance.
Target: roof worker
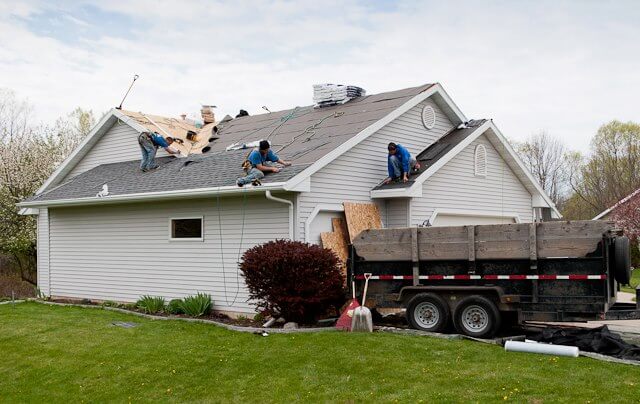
(259, 162)
(399, 163)
(149, 143)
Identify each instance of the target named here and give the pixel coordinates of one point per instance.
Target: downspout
(275, 199)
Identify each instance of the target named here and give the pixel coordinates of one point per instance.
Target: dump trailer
(475, 277)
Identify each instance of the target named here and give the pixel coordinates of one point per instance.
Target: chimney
(207, 114)
(183, 116)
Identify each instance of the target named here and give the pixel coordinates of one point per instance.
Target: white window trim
(480, 147)
(187, 239)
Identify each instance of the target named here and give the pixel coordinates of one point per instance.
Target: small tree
(627, 216)
(296, 280)
(28, 155)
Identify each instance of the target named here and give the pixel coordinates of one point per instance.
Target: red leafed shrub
(297, 280)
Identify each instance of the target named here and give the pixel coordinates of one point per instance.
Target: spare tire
(622, 264)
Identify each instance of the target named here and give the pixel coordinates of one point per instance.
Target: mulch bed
(13, 284)
(214, 316)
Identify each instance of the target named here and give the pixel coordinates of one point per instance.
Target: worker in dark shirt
(149, 143)
(259, 162)
(399, 163)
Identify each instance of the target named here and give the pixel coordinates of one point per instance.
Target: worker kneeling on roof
(399, 162)
(149, 143)
(259, 162)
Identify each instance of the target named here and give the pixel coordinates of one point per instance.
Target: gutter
(147, 196)
(280, 200)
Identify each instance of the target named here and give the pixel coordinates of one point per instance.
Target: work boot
(239, 182)
(256, 182)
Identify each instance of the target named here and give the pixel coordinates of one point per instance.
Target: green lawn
(70, 354)
(635, 281)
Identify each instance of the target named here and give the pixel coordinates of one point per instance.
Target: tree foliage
(546, 158)
(28, 155)
(612, 170)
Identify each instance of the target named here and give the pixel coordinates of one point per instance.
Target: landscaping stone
(290, 326)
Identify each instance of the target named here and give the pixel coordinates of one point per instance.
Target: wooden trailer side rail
(530, 241)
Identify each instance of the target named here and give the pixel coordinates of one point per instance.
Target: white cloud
(529, 66)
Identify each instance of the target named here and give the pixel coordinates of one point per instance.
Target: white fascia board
(373, 128)
(452, 105)
(108, 120)
(414, 191)
(149, 196)
(602, 214)
(447, 157)
(302, 186)
(29, 212)
(523, 168)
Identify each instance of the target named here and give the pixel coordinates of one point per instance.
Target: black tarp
(599, 340)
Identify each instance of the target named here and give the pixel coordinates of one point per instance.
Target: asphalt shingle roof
(305, 134)
(301, 135)
(435, 152)
(199, 171)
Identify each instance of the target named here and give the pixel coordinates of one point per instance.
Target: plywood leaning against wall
(361, 216)
(338, 242)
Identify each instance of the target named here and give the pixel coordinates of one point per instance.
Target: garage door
(461, 220)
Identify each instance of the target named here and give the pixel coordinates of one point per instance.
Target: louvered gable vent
(428, 117)
(480, 161)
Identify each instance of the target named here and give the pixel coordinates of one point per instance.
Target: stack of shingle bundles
(325, 95)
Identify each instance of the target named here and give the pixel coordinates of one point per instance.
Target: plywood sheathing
(340, 226)
(361, 216)
(334, 242)
(176, 128)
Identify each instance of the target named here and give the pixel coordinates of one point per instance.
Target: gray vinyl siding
(396, 212)
(120, 143)
(120, 252)
(455, 186)
(352, 176)
(43, 251)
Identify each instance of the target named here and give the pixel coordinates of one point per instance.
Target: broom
(362, 321)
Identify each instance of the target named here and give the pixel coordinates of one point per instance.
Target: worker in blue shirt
(259, 162)
(399, 163)
(149, 143)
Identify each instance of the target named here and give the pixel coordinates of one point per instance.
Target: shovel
(362, 321)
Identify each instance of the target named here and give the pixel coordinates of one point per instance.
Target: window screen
(186, 228)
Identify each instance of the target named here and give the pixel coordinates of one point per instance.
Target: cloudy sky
(563, 67)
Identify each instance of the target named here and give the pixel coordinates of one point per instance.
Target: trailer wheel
(476, 316)
(622, 266)
(428, 312)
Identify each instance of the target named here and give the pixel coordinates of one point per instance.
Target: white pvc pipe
(291, 220)
(546, 349)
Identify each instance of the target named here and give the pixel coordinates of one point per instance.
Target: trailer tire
(476, 316)
(428, 312)
(622, 265)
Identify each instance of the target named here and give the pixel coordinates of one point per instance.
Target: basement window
(186, 228)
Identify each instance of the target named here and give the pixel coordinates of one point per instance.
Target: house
(183, 227)
(609, 214)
